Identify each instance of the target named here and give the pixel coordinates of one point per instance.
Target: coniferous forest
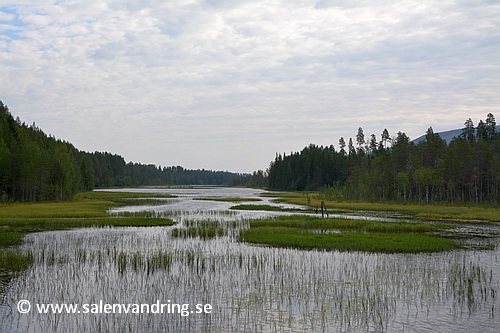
(467, 170)
(38, 167)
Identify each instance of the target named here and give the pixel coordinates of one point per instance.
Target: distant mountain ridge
(446, 135)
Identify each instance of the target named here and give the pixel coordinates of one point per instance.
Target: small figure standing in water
(323, 210)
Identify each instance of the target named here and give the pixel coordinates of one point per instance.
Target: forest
(467, 170)
(35, 166)
(38, 167)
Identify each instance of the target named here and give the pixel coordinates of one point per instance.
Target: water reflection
(251, 288)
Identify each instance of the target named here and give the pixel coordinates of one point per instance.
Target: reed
(253, 288)
(86, 210)
(203, 232)
(8, 239)
(13, 261)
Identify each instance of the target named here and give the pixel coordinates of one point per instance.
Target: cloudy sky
(224, 85)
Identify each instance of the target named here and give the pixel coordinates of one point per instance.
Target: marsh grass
(265, 208)
(15, 228)
(277, 288)
(8, 239)
(301, 232)
(209, 228)
(228, 199)
(88, 209)
(421, 211)
(110, 195)
(313, 222)
(203, 233)
(13, 261)
(144, 202)
(252, 289)
(369, 242)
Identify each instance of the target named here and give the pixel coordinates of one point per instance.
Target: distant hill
(446, 135)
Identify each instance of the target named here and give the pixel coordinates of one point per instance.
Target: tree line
(467, 170)
(37, 167)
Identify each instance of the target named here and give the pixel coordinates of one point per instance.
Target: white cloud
(189, 82)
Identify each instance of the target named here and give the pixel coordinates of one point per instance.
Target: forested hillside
(34, 166)
(466, 170)
(37, 167)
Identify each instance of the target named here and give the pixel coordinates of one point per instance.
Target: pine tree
(352, 151)
(490, 126)
(385, 137)
(468, 131)
(373, 143)
(342, 146)
(481, 133)
(360, 140)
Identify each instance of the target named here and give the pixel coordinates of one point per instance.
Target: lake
(146, 280)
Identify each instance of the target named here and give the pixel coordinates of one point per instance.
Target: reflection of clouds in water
(251, 288)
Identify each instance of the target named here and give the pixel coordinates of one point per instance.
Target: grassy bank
(85, 210)
(309, 232)
(268, 208)
(228, 199)
(420, 211)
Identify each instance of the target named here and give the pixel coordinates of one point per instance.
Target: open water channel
(145, 280)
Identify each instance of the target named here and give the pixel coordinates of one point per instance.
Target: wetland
(275, 267)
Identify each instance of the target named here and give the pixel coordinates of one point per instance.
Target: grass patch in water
(313, 222)
(85, 210)
(265, 208)
(18, 226)
(229, 199)
(367, 242)
(356, 235)
(13, 261)
(8, 239)
(203, 232)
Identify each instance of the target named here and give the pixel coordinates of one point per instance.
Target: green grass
(310, 232)
(265, 208)
(420, 211)
(8, 239)
(229, 199)
(85, 210)
(109, 195)
(370, 242)
(202, 232)
(13, 261)
(313, 222)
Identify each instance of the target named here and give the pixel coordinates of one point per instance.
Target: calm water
(249, 288)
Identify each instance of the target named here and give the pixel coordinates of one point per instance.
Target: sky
(225, 85)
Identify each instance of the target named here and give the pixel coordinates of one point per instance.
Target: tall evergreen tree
(373, 143)
(360, 140)
(342, 146)
(352, 151)
(385, 137)
(490, 126)
(468, 132)
(481, 132)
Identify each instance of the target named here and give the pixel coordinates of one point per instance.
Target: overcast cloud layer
(226, 84)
